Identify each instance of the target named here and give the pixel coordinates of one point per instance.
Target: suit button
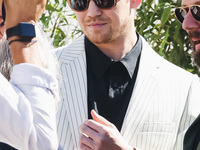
(115, 85)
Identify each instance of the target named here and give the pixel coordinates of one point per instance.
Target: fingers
(85, 142)
(101, 119)
(98, 125)
(98, 134)
(89, 129)
(91, 133)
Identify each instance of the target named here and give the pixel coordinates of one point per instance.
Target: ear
(135, 3)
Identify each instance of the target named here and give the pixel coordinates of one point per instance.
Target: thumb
(96, 117)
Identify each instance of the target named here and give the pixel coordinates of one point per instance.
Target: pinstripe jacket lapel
(142, 95)
(73, 67)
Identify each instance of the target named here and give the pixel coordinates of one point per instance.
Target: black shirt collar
(130, 60)
(98, 62)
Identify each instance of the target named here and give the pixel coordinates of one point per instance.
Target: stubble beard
(196, 56)
(105, 37)
(99, 37)
(196, 52)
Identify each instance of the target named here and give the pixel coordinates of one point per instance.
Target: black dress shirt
(110, 83)
(4, 146)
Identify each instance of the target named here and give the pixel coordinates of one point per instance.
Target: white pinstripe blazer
(164, 102)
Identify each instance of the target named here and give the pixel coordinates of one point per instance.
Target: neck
(118, 48)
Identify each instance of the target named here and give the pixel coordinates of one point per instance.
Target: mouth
(196, 43)
(96, 24)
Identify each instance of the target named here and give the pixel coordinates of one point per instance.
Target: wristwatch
(23, 29)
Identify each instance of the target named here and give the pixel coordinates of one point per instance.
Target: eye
(195, 10)
(183, 12)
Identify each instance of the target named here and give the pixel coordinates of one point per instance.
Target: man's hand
(100, 134)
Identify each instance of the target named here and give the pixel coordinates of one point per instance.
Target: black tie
(118, 80)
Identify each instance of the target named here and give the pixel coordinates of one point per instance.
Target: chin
(99, 39)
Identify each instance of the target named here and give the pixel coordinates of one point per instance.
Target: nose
(189, 23)
(93, 10)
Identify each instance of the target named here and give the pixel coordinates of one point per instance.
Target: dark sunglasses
(181, 12)
(2, 24)
(3, 18)
(82, 5)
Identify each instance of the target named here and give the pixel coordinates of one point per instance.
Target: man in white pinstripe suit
(143, 101)
(191, 23)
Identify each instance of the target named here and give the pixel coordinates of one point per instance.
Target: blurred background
(155, 21)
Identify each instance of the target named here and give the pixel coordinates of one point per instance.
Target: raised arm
(28, 102)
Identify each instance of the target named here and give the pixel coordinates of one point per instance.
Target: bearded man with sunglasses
(189, 16)
(117, 92)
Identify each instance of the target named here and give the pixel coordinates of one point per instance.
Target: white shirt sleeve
(27, 114)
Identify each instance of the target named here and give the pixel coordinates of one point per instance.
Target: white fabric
(164, 102)
(27, 114)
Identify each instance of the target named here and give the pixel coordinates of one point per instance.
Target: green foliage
(159, 26)
(56, 24)
(155, 21)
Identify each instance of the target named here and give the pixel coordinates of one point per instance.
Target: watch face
(23, 29)
(27, 29)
